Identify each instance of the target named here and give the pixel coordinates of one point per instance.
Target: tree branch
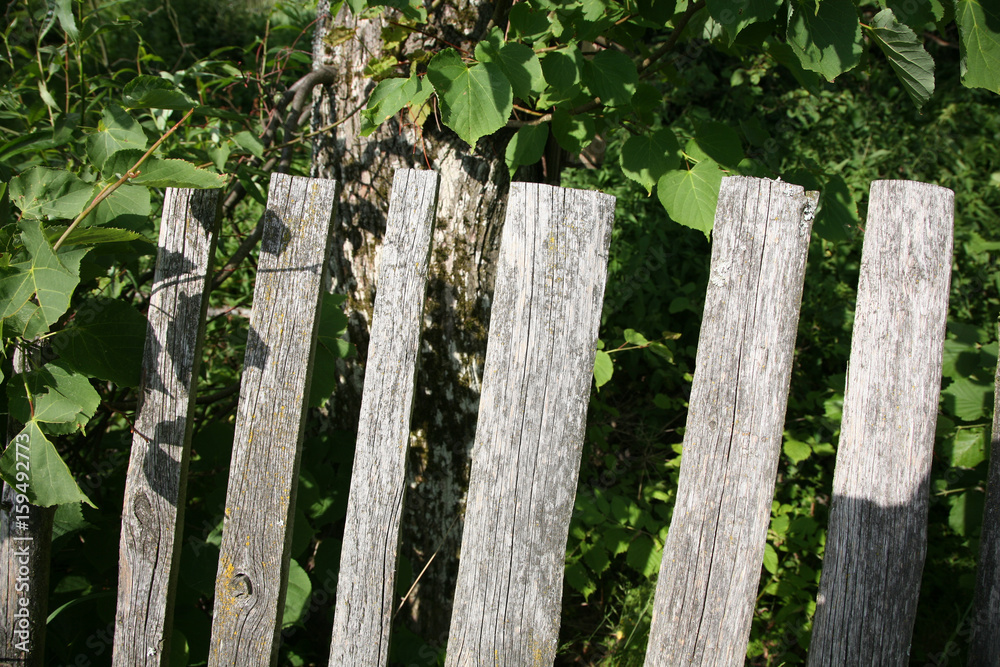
(671, 42)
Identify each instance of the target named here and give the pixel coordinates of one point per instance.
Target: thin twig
(427, 565)
(668, 46)
(131, 173)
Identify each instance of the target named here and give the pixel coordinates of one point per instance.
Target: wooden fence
(535, 389)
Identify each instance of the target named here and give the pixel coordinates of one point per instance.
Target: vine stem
(131, 173)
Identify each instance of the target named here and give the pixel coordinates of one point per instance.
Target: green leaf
(528, 23)
(734, 15)
(838, 212)
(906, 55)
(91, 235)
(116, 131)
(596, 557)
(144, 92)
(573, 132)
(475, 101)
(562, 69)
(719, 142)
(41, 140)
(828, 41)
(49, 480)
(611, 75)
(518, 62)
(967, 448)
(68, 519)
(644, 556)
(916, 13)
(966, 515)
(979, 32)
(378, 69)
(578, 577)
(55, 194)
(249, 142)
(105, 340)
(40, 287)
(162, 173)
(527, 146)
(797, 451)
(604, 368)
(786, 56)
(616, 539)
(633, 337)
(63, 10)
(389, 97)
(770, 558)
(128, 206)
(966, 399)
(330, 346)
(54, 397)
(690, 196)
(645, 158)
(297, 595)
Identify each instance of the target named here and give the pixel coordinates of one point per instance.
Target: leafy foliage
(595, 69)
(679, 93)
(93, 127)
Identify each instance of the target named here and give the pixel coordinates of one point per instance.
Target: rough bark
(470, 210)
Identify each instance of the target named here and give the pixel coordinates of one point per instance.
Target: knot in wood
(240, 586)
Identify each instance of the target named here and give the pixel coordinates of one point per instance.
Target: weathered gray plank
(713, 553)
(25, 551)
(536, 385)
(263, 477)
(366, 583)
(984, 644)
(878, 519)
(153, 515)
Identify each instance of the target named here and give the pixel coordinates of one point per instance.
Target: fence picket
(878, 518)
(526, 458)
(712, 557)
(366, 583)
(263, 479)
(984, 642)
(153, 515)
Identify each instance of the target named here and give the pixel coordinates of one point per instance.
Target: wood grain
(153, 516)
(366, 583)
(984, 642)
(878, 521)
(263, 478)
(712, 558)
(536, 387)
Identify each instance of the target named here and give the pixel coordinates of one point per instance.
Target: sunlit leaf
(526, 146)
(979, 32)
(475, 101)
(690, 196)
(51, 482)
(645, 158)
(906, 55)
(828, 41)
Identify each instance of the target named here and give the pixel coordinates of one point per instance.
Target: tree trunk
(474, 186)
